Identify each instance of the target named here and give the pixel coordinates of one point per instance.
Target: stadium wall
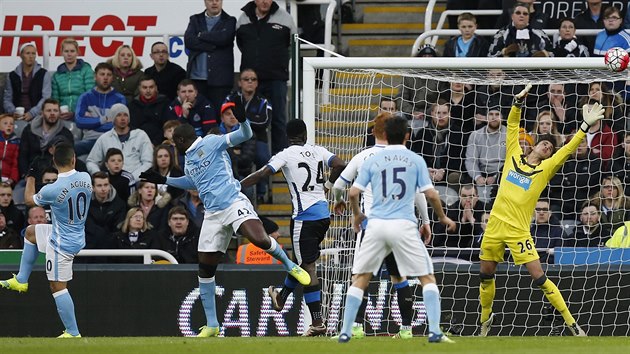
(159, 300)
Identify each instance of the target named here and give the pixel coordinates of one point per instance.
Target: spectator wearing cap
(36, 137)
(44, 161)
(485, 153)
(9, 238)
(27, 86)
(525, 141)
(418, 94)
(242, 155)
(135, 144)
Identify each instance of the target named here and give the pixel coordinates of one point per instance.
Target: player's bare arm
(433, 197)
(254, 177)
(358, 216)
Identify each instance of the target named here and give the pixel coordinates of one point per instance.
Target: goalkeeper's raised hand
(591, 115)
(520, 97)
(152, 177)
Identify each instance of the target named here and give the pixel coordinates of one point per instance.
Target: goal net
(452, 107)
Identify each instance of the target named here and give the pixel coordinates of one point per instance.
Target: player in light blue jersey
(69, 199)
(208, 169)
(394, 174)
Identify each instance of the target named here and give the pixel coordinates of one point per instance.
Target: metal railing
(146, 254)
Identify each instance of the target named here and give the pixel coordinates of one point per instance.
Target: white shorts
(218, 227)
(399, 236)
(58, 264)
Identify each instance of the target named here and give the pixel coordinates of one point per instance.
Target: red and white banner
(106, 16)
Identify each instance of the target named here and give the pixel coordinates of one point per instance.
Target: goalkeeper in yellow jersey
(522, 181)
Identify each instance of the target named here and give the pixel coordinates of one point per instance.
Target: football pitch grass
(322, 345)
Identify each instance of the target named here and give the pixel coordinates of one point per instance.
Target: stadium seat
(568, 226)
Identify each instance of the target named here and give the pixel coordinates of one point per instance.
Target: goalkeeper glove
(152, 177)
(591, 116)
(520, 97)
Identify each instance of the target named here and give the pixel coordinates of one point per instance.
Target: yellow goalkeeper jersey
(521, 184)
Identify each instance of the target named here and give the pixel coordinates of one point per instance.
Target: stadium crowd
(120, 119)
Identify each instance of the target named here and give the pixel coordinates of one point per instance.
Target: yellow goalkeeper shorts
(498, 234)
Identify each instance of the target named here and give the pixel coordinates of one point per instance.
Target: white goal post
(337, 107)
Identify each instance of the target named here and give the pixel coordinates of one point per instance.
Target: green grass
(275, 345)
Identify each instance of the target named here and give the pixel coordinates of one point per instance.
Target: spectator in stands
(180, 238)
(613, 35)
(148, 110)
(27, 86)
(92, 107)
(440, 145)
(520, 39)
(194, 205)
(135, 144)
(484, 223)
(467, 44)
(545, 125)
(36, 136)
(127, 72)
(122, 180)
(154, 204)
(576, 182)
(165, 163)
(494, 93)
(546, 229)
(168, 128)
(563, 107)
(72, 79)
(165, 73)
(248, 253)
(418, 93)
(209, 39)
(44, 161)
(537, 18)
(192, 108)
(620, 237)
(36, 215)
(9, 238)
(462, 108)
(466, 213)
(10, 147)
(590, 232)
(621, 164)
(601, 140)
(258, 111)
(612, 202)
(242, 155)
(135, 233)
(105, 214)
(526, 141)
(566, 43)
(386, 104)
(591, 18)
(49, 176)
(485, 153)
(263, 34)
(613, 104)
(14, 216)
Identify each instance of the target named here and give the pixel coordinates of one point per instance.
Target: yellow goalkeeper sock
(555, 298)
(486, 295)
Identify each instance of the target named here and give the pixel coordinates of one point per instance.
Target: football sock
(289, 285)
(207, 291)
(555, 298)
(278, 253)
(29, 256)
(65, 308)
(313, 299)
(405, 302)
(486, 296)
(431, 296)
(353, 301)
(358, 321)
